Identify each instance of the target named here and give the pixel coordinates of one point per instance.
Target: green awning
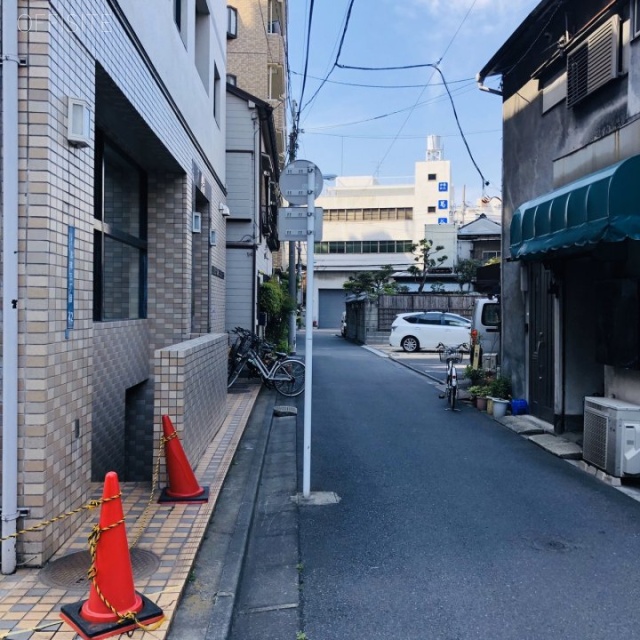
(601, 207)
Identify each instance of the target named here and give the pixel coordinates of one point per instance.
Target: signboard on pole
(294, 181)
(292, 224)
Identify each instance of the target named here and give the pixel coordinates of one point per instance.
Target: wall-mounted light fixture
(196, 222)
(223, 209)
(212, 238)
(78, 122)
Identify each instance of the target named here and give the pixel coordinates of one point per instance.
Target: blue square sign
(443, 186)
(443, 204)
(442, 221)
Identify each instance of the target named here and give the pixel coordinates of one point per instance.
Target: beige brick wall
(190, 393)
(253, 50)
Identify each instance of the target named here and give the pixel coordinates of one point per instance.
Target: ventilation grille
(593, 62)
(594, 445)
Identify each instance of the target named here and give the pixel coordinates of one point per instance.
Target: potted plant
(475, 376)
(479, 392)
(500, 390)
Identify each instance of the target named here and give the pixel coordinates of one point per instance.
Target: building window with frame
(180, 18)
(635, 18)
(120, 236)
(232, 22)
(216, 94)
(432, 176)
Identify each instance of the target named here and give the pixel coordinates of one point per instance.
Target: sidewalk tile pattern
(30, 609)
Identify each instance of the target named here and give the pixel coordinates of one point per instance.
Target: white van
(485, 325)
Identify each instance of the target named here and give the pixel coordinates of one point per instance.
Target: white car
(427, 329)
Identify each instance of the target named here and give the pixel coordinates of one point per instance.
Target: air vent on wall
(593, 62)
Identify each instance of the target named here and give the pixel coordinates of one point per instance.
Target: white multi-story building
(367, 225)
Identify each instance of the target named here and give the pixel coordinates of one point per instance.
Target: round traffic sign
(294, 181)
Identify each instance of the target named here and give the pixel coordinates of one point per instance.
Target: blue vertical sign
(71, 260)
(443, 204)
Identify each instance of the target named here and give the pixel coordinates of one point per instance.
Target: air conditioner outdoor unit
(611, 438)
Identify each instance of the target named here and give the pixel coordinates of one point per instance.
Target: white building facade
(368, 225)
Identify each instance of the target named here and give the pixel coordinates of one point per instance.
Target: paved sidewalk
(29, 605)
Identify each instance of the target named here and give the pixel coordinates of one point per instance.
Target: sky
(346, 129)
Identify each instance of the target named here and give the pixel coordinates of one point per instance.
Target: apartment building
(256, 143)
(113, 168)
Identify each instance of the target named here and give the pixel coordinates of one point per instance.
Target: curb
(222, 612)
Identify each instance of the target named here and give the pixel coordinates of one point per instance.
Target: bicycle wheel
(288, 378)
(453, 394)
(236, 371)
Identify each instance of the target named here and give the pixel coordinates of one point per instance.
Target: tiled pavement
(29, 608)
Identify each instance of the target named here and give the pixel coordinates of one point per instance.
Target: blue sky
(343, 132)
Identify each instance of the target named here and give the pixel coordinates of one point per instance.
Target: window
(274, 24)
(275, 82)
(488, 255)
(202, 40)
(635, 18)
(431, 209)
(120, 236)
(432, 176)
(180, 18)
(231, 79)
(216, 94)
(232, 23)
(432, 317)
(455, 321)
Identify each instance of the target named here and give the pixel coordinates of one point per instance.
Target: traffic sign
(294, 181)
(292, 224)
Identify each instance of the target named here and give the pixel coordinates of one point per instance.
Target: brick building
(114, 300)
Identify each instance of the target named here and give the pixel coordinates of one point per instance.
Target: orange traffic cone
(183, 486)
(113, 607)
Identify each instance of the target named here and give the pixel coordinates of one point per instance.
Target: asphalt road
(451, 527)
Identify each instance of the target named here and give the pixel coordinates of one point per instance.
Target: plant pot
(481, 403)
(500, 407)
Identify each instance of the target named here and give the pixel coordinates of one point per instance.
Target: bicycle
(237, 352)
(451, 355)
(278, 371)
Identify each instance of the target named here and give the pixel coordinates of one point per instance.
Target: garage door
(331, 305)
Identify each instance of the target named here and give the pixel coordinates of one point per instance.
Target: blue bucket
(519, 407)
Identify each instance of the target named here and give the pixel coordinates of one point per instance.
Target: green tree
(466, 270)
(424, 253)
(275, 301)
(373, 283)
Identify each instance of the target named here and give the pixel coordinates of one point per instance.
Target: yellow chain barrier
(144, 518)
(92, 574)
(94, 536)
(92, 504)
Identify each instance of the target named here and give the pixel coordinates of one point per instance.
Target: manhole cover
(70, 572)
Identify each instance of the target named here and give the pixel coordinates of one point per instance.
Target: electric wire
(384, 86)
(335, 64)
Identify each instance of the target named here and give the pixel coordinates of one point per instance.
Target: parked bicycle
(452, 355)
(277, 370)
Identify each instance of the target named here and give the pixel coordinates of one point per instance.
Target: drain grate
(70, 572)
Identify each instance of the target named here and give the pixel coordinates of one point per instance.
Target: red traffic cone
(112, 585)
(183, 486)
